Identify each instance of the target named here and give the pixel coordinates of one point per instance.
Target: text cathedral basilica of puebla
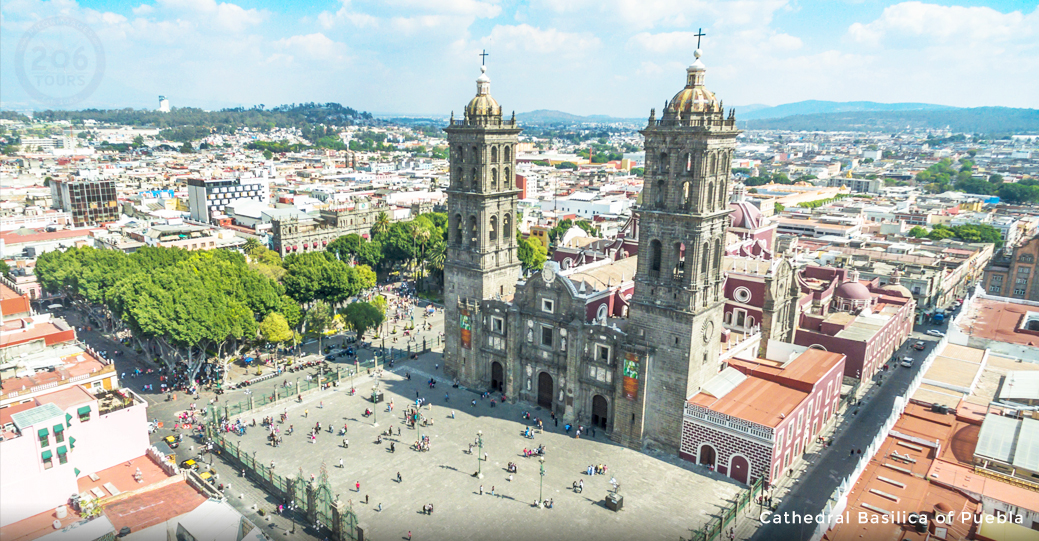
(558, 338)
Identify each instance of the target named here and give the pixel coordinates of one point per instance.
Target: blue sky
(616, 57)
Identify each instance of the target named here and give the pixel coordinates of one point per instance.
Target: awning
(72, 443)
(58, 428)
(68, 419)
(85, 410)
(43, 432)
(47, 454)
(62, 450)
(77, 471)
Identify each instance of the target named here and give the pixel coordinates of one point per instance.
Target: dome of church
(897, 290)
(852, 291)
(483, 104)
(745, 215)
(694, 98)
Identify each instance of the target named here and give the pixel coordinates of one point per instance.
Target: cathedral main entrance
(497, 377)
(600, 409)
(545, 388)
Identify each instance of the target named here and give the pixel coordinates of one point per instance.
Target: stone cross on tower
(483, 59)
(699, 34)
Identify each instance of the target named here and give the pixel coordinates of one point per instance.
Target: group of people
(540, 451)
(597, 469)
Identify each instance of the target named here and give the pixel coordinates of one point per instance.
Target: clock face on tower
(708, 331)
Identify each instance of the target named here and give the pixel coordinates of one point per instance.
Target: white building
(586, 204)
(209, 197)
(164, 104)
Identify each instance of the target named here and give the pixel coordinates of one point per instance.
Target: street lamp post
(541, 490)
(479, 443)
(375, 406)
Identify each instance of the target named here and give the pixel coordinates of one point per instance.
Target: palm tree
(437, 256)
(381, 225)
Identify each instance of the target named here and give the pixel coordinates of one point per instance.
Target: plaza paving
(664, 498)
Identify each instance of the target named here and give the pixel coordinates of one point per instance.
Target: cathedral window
(508, 154)
(664, 165)
(494, 154)
(710, 197)
(654, 258)
(717, 254)
(548, 305)
(459, 178)
(688, 162)
(685, 195)
(507, 228)
(711, 165)
(660, 190)
(494, 180)
(705, 266)
(679, 257)
(473, 181)
(474, 231)
(498, 325)
(506, 182)
(602, 353)
(494, 229)
(546, 336)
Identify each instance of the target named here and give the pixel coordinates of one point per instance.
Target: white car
(934, 332)
(907, 362)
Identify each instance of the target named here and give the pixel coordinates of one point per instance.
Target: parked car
(330, 357)
(172, 441)
(935, 332)
(188, 464)
(919, 346)
(907, 362)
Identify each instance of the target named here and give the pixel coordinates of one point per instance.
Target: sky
(420, 57)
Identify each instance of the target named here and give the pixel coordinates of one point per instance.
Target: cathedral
(620, 343)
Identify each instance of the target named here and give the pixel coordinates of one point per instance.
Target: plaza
(664, 498)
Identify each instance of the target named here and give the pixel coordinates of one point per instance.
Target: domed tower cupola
(483, 109)
(694, 104)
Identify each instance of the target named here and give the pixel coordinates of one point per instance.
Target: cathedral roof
(483, 104)
(853, 291)
(745, 215)
(694, 98)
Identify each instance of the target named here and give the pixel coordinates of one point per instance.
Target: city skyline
(614, 58)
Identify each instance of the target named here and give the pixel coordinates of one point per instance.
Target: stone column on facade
(312, 501)
(340, 523)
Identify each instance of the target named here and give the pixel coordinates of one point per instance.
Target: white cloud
(943, 24)
(647, 14)
(315, 46)
(534, 40)
(227, 16)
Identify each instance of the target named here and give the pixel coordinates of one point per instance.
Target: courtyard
(664, 497)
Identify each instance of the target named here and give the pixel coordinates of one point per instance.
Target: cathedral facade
(620, 343)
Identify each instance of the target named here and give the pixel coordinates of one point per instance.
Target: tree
(361, 316)
(4, 268)
(186, 148)
(381, 225)
(267, 154)
(275, 329)
(531, 253)
(995, 178)
(566, 165)
(1018, 193)
(974, 186)
(319, 317)
(917, 232)
(138, 141)
(940, 232)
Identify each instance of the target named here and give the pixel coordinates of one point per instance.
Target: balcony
(740, 340)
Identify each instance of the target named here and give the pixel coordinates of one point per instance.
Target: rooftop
(993, 319)
(611, 274)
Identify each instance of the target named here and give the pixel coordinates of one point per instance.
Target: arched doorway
(545, 388)
(497, 377)
(707, 455)
(739, 469)
(600, 409)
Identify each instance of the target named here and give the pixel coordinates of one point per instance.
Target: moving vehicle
(934, 332)
(907, 362)
(208, 475)
(919, 346)
(171, 441)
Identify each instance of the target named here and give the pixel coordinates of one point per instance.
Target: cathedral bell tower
(675, 316)
(481, 248)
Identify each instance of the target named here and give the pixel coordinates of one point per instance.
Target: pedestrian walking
(485, 457)
(399, 479)
(366, 499)
(306, 413)
(340, 463)
(492, 490)
(481, 490)
(409, 535)
(358, 486)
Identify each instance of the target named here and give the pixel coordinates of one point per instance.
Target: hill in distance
(814, 107)
(980, 120)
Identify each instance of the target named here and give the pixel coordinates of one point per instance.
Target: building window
(1019, 292)
(547, 305)
(546, 336)
(59, 433)
(63, 456)
(1021, 281)
(47, 463)
(44, 437)
(498, 325)
(602, 353)
(84, 414)
(997, 278)
(1026, 258)
(1024, 271)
